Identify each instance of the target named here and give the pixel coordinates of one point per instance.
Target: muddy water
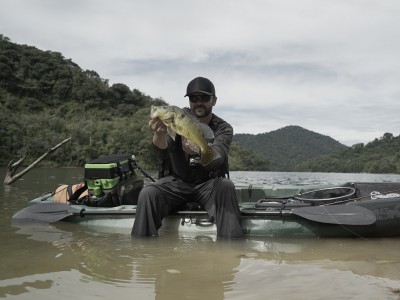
(64, 261)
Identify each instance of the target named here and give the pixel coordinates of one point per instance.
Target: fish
(179, 121)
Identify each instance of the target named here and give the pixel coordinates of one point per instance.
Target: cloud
(328, 66)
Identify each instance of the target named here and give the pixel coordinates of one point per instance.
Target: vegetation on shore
(46, 98)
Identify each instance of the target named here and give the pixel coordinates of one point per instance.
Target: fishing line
(344, 227)
(349, 200)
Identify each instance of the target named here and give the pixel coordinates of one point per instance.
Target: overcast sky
(332, 67)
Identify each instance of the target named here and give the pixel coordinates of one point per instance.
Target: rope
(363, 197)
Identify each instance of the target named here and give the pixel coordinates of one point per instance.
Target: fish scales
(180, 122)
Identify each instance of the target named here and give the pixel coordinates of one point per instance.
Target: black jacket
(178, 163)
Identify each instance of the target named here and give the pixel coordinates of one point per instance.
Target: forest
(382, 155)
(45, 98)
(289, 146)
(293, 148)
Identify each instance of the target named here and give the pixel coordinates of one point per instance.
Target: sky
(332, 67)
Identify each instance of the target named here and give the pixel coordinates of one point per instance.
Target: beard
(201, 111)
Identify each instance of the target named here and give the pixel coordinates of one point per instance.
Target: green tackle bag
(113, 179)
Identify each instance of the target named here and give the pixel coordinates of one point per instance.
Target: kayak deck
(273, 210)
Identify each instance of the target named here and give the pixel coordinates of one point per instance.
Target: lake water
(67, 261)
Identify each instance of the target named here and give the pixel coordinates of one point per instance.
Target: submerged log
(13, 165)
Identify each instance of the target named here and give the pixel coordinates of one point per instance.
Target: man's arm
(221, 144)
(160, 133)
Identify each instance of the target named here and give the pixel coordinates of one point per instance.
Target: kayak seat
(190, 206)
(193, 206)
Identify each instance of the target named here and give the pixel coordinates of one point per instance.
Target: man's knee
(226, 185)
(149, 192)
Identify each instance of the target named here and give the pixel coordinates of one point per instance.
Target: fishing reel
(194, 160)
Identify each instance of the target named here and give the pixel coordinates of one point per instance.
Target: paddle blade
(337, 214)
(43, 213)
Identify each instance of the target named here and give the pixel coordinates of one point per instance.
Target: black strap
(78, 192)
(69, 191)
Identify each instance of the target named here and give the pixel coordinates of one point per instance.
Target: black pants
(217, 196)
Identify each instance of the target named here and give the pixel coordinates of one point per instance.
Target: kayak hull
(272, 217)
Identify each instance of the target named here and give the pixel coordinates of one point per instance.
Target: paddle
(334, 214)
(337, 214)
(53, 212)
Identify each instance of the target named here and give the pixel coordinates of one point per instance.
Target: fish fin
(209, 156)
(193, 147)
(207, 132)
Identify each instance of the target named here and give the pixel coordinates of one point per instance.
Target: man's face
(201, 104)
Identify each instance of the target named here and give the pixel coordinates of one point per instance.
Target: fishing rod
(137, 166)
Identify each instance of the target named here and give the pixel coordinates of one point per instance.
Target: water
(63, 261)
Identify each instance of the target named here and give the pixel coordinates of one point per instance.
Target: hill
(287, 147)
(46, 98)
(379, 156)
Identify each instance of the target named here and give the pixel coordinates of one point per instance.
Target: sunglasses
(199, 98)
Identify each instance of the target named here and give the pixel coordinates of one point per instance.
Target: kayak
(356, 210)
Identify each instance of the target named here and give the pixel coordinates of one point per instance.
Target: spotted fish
(187, 125)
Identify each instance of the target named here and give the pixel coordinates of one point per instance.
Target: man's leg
(156, 200)
(219, 199)
(152, 207)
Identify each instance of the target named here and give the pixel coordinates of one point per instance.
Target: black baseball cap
(200, 85)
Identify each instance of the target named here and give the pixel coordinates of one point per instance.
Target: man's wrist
(160, 140)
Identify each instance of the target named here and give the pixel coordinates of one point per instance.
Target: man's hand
(186, 147)
(158, 126)
(160, 133)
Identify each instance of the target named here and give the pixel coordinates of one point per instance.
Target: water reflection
(175, 268)
(376, 257)
(188, 269)
(66, 260)
(18, 289)
(260, 279)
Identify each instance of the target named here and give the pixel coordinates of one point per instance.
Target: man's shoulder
(219, 121)
(221, 126)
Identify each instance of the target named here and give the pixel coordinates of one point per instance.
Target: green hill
(287, 147)
(379, 156)
(45, 98)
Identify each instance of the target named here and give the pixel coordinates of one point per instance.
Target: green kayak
(345, 210)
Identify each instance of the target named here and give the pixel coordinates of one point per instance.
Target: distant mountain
(45, 98)
(289, 146)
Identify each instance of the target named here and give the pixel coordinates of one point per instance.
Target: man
(189, 181)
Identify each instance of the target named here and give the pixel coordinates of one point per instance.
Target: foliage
(246, 160)
(379, 156)
(45, 98)
(288, 146)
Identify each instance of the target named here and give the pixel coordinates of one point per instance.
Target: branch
(14, 165)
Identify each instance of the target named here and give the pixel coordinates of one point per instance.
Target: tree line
(289, 146)
(45, 98)
(382, 155)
